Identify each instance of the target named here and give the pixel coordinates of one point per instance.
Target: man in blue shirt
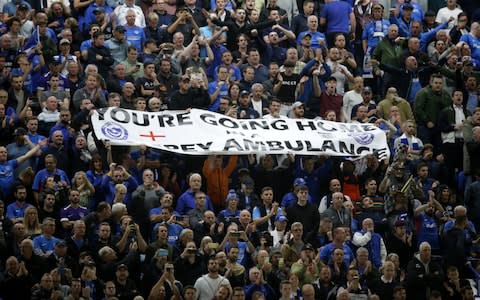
(339, 238)
(90, 16)
(50, 170)
(186, 201)
(428, 223)
(404, 20)
(7, 167)
(173, 228)
(16, 210)
(10, 8)
(44, 244)
(318, 38)
(338, 16)
(375, 30)
(118, 175)
(218, 89)
(134, 34)
(258, 284)
(18, 148)
(473, 41)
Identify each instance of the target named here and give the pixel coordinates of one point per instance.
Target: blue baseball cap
(299, 181)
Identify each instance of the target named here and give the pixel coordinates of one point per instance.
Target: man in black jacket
(423, 275)
(192, 93)
(304, 212)
(99, 55)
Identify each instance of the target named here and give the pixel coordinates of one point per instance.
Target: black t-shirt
(287, 90)
(147, 84)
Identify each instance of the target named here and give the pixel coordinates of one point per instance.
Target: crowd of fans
(82, 219)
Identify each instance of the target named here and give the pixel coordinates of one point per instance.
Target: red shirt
(331, 102)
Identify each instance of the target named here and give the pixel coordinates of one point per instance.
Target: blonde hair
(88, 184)
(35, 228)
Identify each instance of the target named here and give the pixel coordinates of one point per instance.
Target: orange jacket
(217, 180)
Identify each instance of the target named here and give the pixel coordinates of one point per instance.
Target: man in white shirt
(339, 71)
(207, 285)
(352, 98)
(274, 108)
(447, 12)
(120, 13)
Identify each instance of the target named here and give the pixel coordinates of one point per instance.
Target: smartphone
(235, 234)
(162, 252)
(212, 245)
(266, 260)
(191, 251)
(168, 268)
(196, 76)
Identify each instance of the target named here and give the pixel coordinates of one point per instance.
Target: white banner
(201, 132)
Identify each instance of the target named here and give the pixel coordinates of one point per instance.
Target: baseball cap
(119, 28)
(307, 35)
(407, 6)
(16, 72)
(122, 266)
(297, 104)
(61, 243)
(185, 78)
(308, 246)
(20, 131)
(249, 182)
(468, 63)
(56, 60)
(430, 13)
(23, 6)
(243, 171)
(367, 90)
(64, 41)
(299, 181)
(281, 218)
(232, 195)
(244, 92)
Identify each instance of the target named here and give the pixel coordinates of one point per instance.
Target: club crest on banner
(115, 131)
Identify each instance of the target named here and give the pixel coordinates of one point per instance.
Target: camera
(131, 223)
(168, 268)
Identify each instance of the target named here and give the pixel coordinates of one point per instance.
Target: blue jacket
(186, 202)
(308, 85)
(108, 188)
(266, 290)
(374, 248)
